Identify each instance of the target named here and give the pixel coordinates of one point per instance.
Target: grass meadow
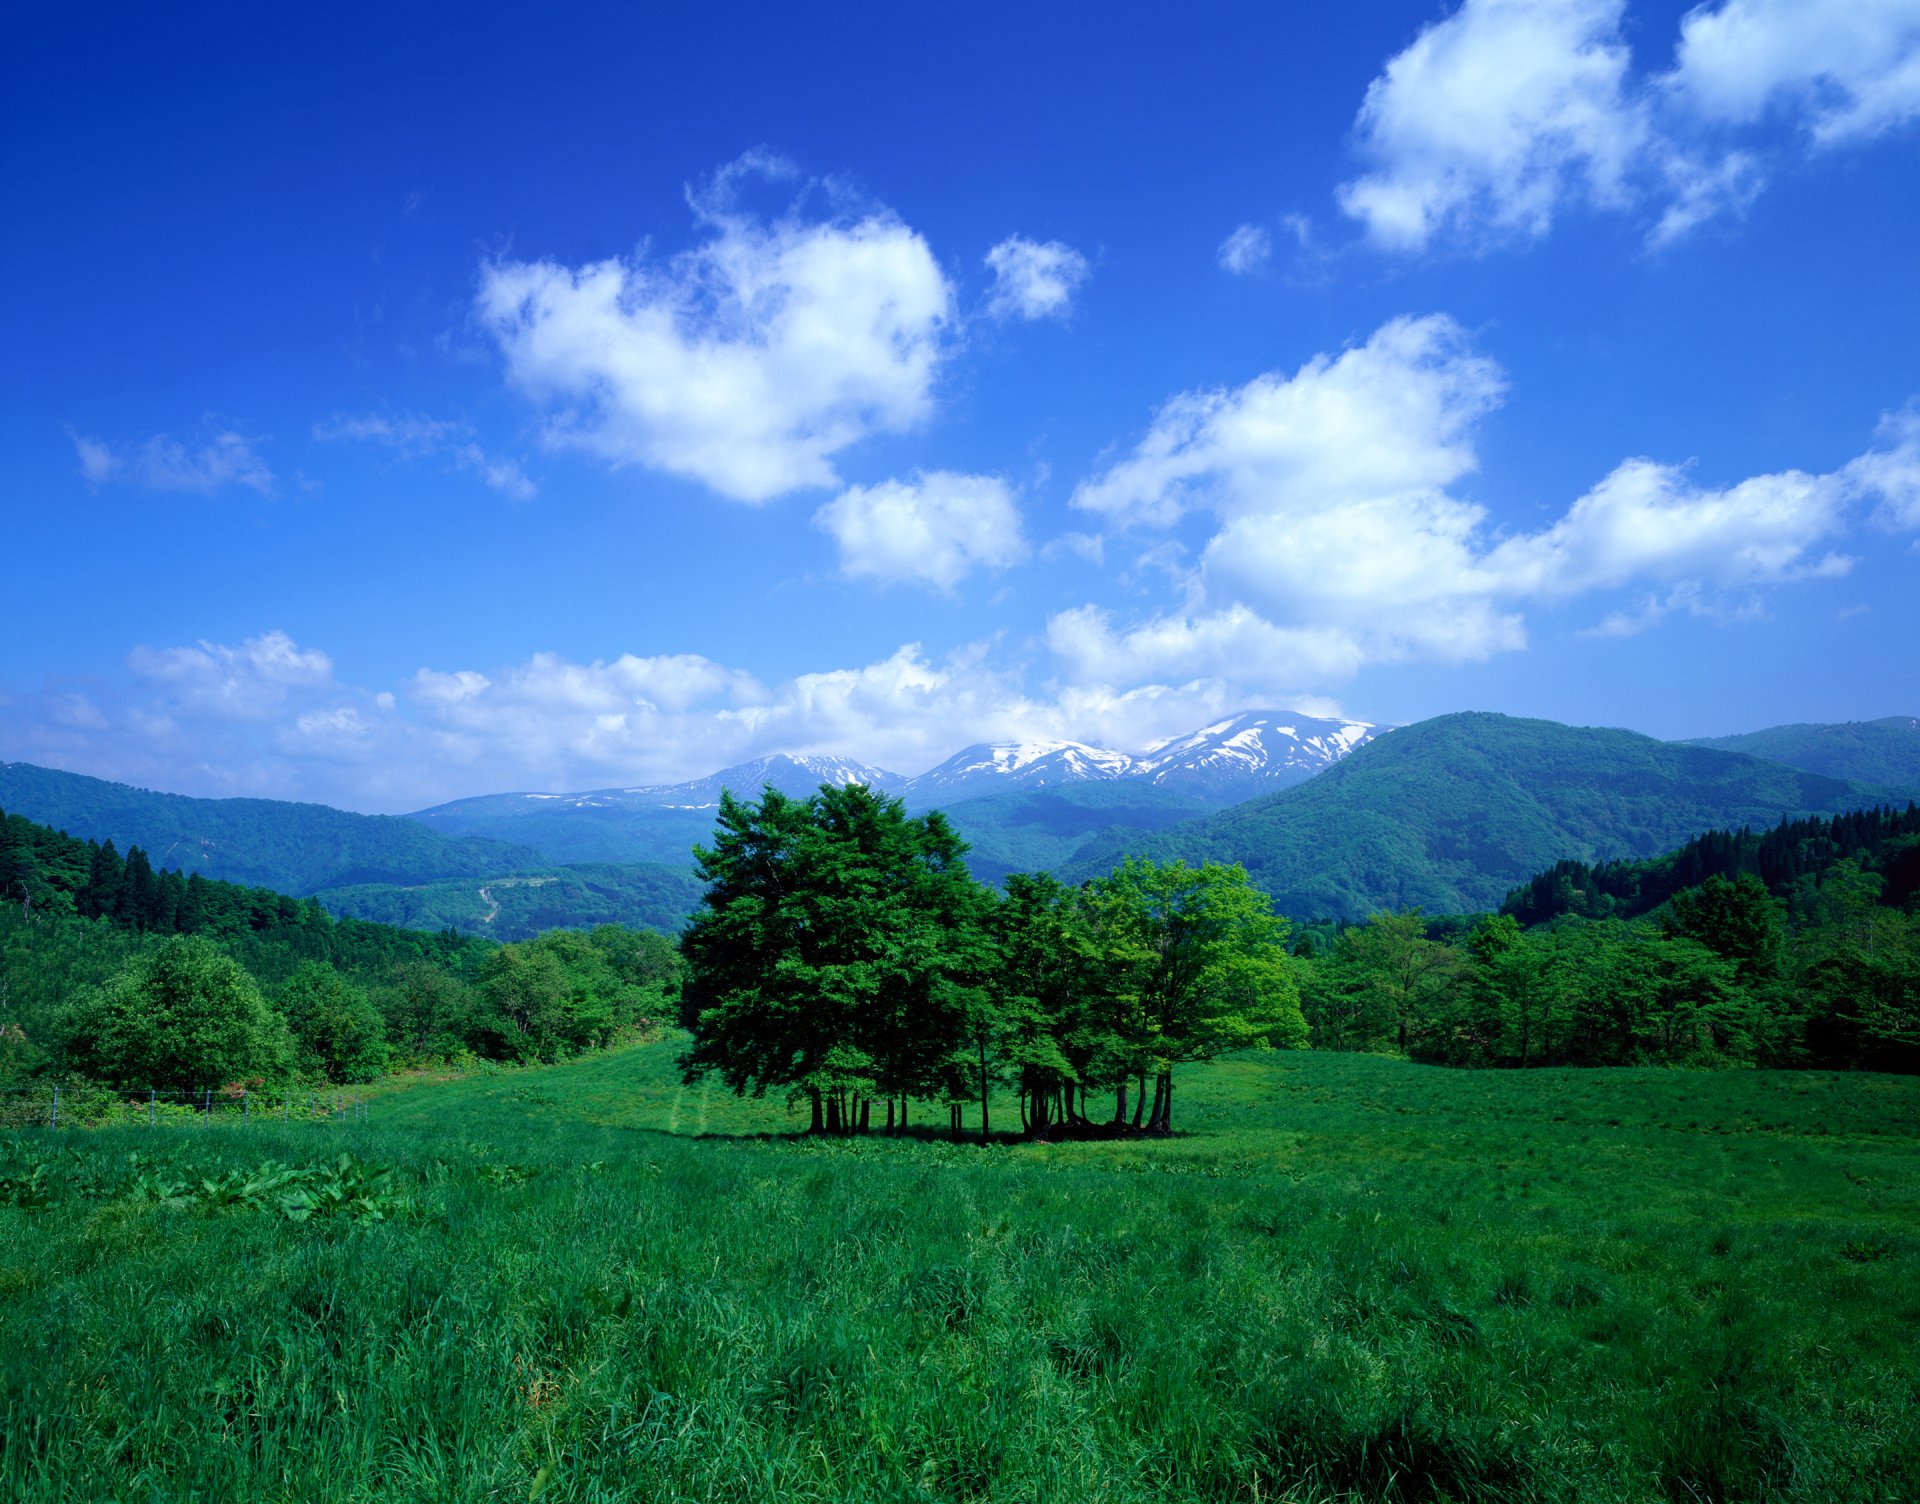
(1348, 1278)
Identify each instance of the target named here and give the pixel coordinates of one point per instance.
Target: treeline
(845, 958)
(1797, 946)
(1790, 855)
(133, 977)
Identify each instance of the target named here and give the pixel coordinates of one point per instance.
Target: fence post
(246, 1106)
(54, 1121)
(150, 1108)
(286, 1109)
(209, 1117)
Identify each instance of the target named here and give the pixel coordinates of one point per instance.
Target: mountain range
(1219, 764)
(1334, 818)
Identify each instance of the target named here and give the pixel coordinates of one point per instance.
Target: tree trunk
(1120, 1102)
(1162, 1095)
(833, 1112)
(1140, 1100)
(813, 1101)
(984, 1126)
(866, 1113)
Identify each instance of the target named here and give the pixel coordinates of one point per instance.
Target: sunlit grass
(1348, 1278)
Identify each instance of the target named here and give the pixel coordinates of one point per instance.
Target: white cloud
(1340, 537)
(1851, 70)
(1232, 645)
(1491, 118)
(413, 437)
(1507, 112)
(1391, 416)
(935, 529)
(1888, 476)
(244, 682)
(162, 463)
(745, 363)
(1032, 280)
(1246, 250)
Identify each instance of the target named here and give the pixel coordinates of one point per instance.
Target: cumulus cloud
(1033, 280)
(413, 437)
(746, 363)
(1246, 250)
(1848, 71)
(1505, 113)
(1491, 118)
(224, 458)
(1389, 417)
(242, 682)
(1340, 537)
(934, 529)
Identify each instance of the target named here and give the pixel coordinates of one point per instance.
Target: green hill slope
(1885, 751)
(268, 843)
(1452, 813)
(518, 906)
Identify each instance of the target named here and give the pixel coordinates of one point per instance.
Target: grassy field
(1348, 1278)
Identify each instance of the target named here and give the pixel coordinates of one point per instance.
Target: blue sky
(407, 403)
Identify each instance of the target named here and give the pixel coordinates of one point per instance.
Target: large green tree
(337, 1032)
(1202, 967)
(179, 1017)
(837, 955)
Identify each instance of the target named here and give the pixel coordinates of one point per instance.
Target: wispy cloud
(1034, 280)
(1246, 250)
(413, 437)
(225, 457)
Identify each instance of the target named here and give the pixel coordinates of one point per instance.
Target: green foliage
(846, 956)
(837, 951)
(179, 1017)
(1448, 815)
(337, 1033)
(567, 991)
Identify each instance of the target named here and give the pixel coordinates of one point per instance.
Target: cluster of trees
(139, 979)
(844, 956)
(1820, 967)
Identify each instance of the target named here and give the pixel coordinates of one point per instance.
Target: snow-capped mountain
(1253, 753)
(1000, 767)
(1237, 758)
(798, 776)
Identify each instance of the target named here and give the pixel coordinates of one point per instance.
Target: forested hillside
(1886, 751)
(291, 848)
(1449, 814)
(131, 977)
(522, 905)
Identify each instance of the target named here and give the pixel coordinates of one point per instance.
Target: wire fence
(54, 1106)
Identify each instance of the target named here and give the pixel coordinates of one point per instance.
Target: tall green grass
(1349, 1279)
